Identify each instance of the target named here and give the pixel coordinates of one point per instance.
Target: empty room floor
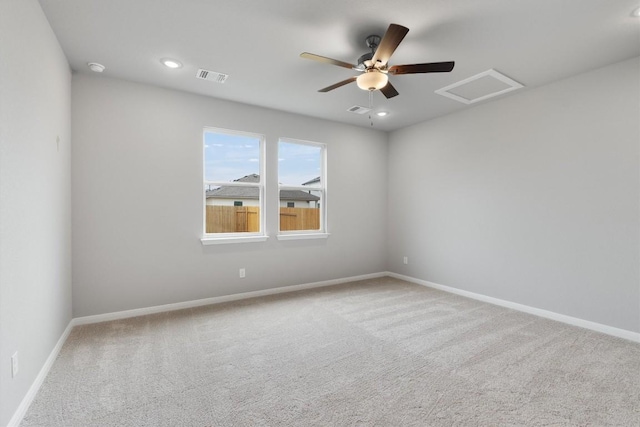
(380, 352)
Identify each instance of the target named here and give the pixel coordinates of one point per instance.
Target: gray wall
(137, 200)
(532, 199)
(35, 199)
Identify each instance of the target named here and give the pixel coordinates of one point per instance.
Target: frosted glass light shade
(372, 80)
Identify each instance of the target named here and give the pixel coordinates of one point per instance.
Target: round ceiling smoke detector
(95, 67)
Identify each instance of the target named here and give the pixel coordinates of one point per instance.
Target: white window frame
(322, 233)
(240, 237)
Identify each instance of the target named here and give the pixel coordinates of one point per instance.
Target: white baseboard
(216, 300)
(35, 386)
(574, 321)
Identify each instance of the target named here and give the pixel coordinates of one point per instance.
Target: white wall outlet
(405, 260)
(14, 364)
(242, 273)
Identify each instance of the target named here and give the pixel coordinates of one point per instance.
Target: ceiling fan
(374, 65)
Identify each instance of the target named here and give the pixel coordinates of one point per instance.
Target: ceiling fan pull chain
(370, 106)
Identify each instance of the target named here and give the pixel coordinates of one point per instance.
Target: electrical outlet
(405, 260)
(14, 364)
(242, 273)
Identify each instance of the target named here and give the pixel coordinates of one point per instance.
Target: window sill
(303, 236)
(224, 240)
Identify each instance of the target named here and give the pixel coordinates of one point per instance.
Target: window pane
(299, 164)
(299, 210)
(229, 157)
(232, 209)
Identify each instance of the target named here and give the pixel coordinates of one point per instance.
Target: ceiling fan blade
(327, 60)
(433, 67)
(390, 41)
(337, 85)
(389, 91)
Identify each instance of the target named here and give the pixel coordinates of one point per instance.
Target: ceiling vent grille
(359, 109)
(212, 76)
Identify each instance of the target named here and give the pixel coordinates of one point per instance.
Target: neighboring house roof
(233, 192)
(313, 181)
(298, 195)
(248, 178)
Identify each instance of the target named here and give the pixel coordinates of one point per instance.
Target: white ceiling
(258, 43)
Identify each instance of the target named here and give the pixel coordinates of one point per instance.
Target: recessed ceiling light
(95, 67)
(636, 12)
(171, 63)
(381, 113)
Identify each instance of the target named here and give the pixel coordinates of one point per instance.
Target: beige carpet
(380, 352)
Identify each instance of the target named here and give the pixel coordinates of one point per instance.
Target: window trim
(286, 235)
(206, 241)
(236, 237)
(307, 234)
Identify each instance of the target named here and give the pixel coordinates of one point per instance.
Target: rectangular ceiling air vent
(358, 109)
(212, 76)
(477, 88)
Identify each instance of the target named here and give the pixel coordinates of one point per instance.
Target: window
(301, 174)
(233, 186)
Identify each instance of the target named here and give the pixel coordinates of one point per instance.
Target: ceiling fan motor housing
(372, 43)
(364, 61)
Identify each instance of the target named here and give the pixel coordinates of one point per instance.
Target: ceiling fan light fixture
(372, 80)
(374, 65)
